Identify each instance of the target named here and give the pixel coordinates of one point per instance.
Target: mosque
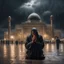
(22, 30)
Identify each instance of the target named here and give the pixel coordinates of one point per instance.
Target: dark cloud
(20, 9)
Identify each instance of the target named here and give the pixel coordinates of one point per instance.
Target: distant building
(24, 29)
(58, 33)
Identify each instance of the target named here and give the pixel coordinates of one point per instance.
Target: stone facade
(24, 29)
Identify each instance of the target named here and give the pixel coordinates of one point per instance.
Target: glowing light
(12, 37)
(45, 36)
(30, 3)
(52, 47)
(47, 47)
(53, 39)
(4, 38)
(20, 53)
(12, 51)
(5, 51)
(21, 50)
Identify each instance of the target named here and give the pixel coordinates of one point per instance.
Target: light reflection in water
(20, 53)
(5, 50)
(52, 47)
(12, 51)
(61, 47)
(19, 50)
(23, 48)
(47, 47)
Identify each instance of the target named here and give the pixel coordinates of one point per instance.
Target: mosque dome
(34, 16)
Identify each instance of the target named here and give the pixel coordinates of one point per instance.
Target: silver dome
(34, 16)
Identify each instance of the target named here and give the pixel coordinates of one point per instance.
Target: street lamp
(12, 37)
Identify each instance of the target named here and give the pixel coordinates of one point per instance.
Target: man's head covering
(35, 31)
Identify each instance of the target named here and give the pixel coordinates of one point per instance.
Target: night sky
(20, 9)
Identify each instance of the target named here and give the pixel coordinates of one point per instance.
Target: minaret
(9, 27)
(51, 20)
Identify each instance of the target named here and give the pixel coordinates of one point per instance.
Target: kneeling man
(34, 45)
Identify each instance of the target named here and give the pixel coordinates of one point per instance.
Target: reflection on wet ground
(15, 54)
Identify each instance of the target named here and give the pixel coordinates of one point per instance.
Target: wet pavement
(15, 54)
